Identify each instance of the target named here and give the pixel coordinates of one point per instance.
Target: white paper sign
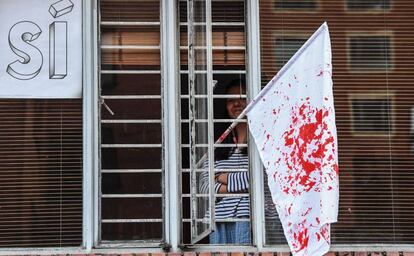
(41, 49)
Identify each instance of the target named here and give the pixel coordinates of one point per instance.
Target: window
(370, 53)
(295, 4)
(368, 5)
(41, 173)
(286, 47)
(131, 201)
(382, 181)
(227, 64)
(372, 114)
(376, 174)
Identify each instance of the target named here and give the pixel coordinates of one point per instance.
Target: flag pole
(224, 135)
(266, 88)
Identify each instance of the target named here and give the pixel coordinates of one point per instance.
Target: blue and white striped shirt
(237, 182)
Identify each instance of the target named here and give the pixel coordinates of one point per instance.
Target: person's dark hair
(222, 153)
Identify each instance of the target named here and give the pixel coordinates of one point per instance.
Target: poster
(41, 49)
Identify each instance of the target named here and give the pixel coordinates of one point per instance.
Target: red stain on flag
(310, 150)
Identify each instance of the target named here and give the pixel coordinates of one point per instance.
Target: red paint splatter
(288, 210)
(267, 140)
(224, 135)
(301, 240)
(307, 211)
(320, 73)
(324, 231)
(310, 149)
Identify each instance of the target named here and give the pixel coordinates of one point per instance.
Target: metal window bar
(216, 48)
(216, 170)
(216, 145)
(131, 220)
(130, 72)
(215, 120)
(131, 195)
(131, 121)
(226, 96)
(217, 195)
(130, 47)
(131, 145)
(129, 23)
(131, 170)
(224, 220)
(217, 72)
(236, 24)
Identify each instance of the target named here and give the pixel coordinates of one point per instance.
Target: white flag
(293, 123)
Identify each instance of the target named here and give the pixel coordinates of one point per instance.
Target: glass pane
(295, 4)
(41, 173)
(125, 58)
(363, 5)
(130, 11)
(131, 208)
(131, 183)
(199, 131)
(131, 84)
(371, 115)
(286, 47)
(131, 158)
(131, 133)
(122, 109)
(132, 231)
(129, 35)
(370, 52)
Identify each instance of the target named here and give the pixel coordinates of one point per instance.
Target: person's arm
(219, 187)
(222, 189)
(222, 178)
(237, 182)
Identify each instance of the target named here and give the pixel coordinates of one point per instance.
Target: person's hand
(223, 189)
(222, 178)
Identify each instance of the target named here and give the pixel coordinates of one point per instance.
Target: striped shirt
(237, 182)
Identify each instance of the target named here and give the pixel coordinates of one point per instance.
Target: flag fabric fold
(292, 121)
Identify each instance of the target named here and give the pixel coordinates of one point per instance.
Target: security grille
(131, 205)
(228, 49)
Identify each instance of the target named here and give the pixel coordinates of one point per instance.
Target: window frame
(377, 95)
(290, 35)
(317, 8)
(367, 10)
(390, 51)
(170, 53)
(158, 245)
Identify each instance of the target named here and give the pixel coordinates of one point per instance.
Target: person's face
(235, 106)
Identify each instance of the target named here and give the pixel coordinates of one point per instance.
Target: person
(232, 213)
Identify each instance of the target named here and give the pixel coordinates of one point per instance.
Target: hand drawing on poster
(61, 8)
(24, 73)
(20, 36)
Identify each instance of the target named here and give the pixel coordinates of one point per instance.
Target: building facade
(116, 170)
